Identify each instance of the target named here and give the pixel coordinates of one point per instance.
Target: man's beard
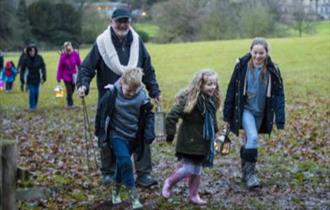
(121, 33)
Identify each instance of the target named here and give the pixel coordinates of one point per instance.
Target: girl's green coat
(190, 135)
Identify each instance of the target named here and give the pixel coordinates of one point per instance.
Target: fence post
(8, 174)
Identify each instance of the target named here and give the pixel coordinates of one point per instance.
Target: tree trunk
(8, 175)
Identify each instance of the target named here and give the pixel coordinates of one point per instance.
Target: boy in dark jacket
(125, 118)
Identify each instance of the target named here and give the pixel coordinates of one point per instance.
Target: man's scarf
(206, 106)
(109, 54)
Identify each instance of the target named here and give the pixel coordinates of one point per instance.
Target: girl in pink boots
(196, 105)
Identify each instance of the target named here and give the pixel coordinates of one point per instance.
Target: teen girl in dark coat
(255, 95)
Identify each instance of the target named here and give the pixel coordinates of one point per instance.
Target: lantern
(160, 122)
(58, 91)
(222, 143)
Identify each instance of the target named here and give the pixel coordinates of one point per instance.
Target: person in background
(8, 75)
(255, 96)
(196, 105)
(118, 48)
(1, 60)
(33, 73)
(19, 65)
(67, 70)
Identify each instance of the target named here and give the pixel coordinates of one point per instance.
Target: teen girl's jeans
(122, 149)
(251, 125)
(33, 96)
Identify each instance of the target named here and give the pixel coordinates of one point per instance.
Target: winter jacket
(21, 60)
(235, 99)
(1, 61)
(105, 110)
(9, 74)
(105, 76)
(33, 69)
(190, 141)
(67, 66)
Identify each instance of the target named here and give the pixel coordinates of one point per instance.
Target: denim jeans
(9, 85)
(251, 124)
(33, 95)
(122, 149)
(142, 167)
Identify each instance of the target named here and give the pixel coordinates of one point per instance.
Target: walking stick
(87, 134)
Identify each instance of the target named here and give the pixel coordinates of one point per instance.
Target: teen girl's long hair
(259, 41)
(194, 89)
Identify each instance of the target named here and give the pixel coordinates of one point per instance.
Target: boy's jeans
(33, 95)
(122, 149)
(251, 125)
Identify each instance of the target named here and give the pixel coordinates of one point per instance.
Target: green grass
(149, 28)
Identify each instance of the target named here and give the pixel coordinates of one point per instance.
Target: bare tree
(299, 16)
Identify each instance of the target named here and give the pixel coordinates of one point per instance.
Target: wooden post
(8, 173)
(1, 201)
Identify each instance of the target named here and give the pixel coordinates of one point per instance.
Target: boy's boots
(194, 183)
(134, 196)
(116, 194)
(249, 168)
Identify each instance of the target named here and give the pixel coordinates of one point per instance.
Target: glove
(102, 143)
(169, 138)
(82, 91)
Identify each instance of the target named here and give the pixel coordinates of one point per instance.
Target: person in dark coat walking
(197, 106)
(118, 48)
(20, 63)
(255, 95)
(33, 73)
(1, 61)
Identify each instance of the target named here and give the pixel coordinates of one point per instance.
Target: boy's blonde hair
(132, 77)
(194, 89)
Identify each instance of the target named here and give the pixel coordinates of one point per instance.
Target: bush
(144, 36)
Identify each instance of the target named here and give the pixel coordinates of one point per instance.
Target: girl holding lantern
(255, 95)
(67, 70)
(197, 106)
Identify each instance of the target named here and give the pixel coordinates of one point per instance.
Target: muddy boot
(116, 194)
(134, 196)
(251, 179)
(242, 153)
(194, 183)
(171, 181)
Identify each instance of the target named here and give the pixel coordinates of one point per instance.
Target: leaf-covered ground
(293, 164)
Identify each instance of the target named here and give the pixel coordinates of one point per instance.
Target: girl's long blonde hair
(194, 89)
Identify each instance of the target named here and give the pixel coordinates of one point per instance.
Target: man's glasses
(123, 20)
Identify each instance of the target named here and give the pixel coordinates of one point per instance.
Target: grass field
(294, 164)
